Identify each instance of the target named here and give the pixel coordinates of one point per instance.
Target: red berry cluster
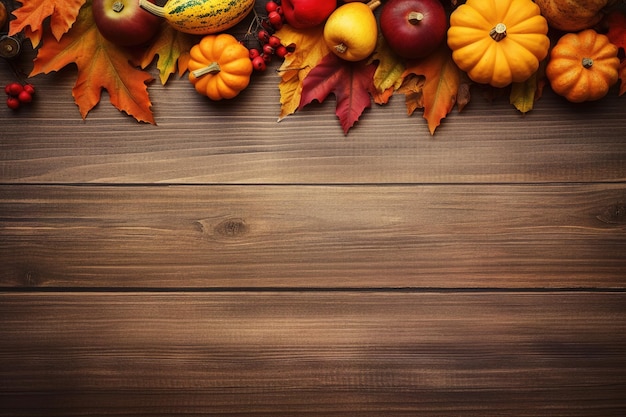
(269, 43)
(18, 94)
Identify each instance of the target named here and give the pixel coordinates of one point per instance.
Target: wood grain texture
(240, 142)
(223, 264)
(314, 236)
(331, 354)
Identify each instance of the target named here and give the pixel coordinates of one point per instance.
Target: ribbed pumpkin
(583, 66)
(219, 66)
(573, 15)
(498, 42)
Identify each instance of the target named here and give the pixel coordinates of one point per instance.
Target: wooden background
(221, 263)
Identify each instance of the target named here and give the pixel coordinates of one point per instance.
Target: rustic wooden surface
(221, 263)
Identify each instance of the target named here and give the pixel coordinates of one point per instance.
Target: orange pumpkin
(219, 66)
(583, 66)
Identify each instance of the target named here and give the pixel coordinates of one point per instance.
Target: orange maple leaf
(172, 48)
(101, 65)
(30, 17)
(441, 84)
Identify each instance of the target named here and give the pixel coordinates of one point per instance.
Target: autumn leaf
(310, 48)
(388, 75)
(441, 84)
(350, 82)
(101, 65)
(524, 94)
(412, 88)
(617, 35)
(30, 17)
(172, 48)
(616, 22)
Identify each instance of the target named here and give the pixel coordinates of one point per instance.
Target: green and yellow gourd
(201, 17)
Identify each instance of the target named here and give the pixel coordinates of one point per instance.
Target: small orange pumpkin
(219, 66)
(583, 66)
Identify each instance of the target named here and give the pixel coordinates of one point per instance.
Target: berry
(274, 41)
(267, 49)
(281, 51)
(279, 10)
(25, 97)
(258, 63)
(13, 103)
(30, 89)
(264, 35)
(267, 58)
(275, 19)
(13, 89)
(253, 52)
(271, 6)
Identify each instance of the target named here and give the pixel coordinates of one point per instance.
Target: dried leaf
(617, 28)
(310, 49)
(617, 35)
(412, 88)
(172, 48)
(523, 94)
(350, 82)
(30, 17)
(442, 79)
(390, 68)
(101, 65)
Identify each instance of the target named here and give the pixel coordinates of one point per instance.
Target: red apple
(124, 23)
(413, 28)
(302, 14)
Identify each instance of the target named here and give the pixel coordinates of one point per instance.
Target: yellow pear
(351, 31)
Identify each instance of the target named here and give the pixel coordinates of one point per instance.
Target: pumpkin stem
(152, 8)
(499, 32)
(373, 4)
(415, 17)
(212, 68)
(587, 62)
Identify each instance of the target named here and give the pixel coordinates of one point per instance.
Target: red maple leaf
(617, 29)
(617, 35)
(350, 82)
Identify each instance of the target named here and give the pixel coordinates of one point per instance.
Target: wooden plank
(239, 141)
(452, 236)
(316, 353)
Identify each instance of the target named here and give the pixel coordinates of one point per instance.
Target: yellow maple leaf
(390, 68)
(100, 64)
(172, 48)
(310, 48)
(30, 17)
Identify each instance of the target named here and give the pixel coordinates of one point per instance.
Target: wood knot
(231, 228)
(615, 214)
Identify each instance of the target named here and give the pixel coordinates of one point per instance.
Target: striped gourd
(201, 17)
